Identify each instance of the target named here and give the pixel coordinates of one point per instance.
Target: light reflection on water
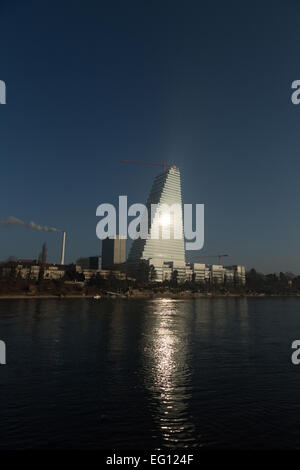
(166, 372)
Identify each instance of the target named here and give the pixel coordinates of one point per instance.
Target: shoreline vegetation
(72, 286)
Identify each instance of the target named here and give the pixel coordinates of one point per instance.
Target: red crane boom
(215, 256)
(163, 165)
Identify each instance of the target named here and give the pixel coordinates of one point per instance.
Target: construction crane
(163, 165)
(215, 256)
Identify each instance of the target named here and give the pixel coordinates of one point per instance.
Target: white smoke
(11, 220)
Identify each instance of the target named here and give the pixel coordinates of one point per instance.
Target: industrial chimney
(44, 254)
(63, 246)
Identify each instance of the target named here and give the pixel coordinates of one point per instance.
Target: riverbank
(146, 295)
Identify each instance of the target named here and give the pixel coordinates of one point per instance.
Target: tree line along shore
(72, 285)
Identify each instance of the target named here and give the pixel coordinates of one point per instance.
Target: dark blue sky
(204, 85)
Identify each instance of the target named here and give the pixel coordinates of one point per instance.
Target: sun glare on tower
(165, 220)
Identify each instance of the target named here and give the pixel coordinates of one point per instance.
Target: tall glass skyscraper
(165, 239)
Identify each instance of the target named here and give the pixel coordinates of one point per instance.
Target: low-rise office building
(53, 272)
(217, 274)
(199, 273)
(95, 262)
(237, 273)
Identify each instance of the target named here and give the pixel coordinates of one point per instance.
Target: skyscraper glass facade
(165, 239)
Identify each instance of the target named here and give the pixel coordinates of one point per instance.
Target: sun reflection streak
(167, 373)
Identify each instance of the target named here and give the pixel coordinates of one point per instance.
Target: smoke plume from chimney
(11, 220)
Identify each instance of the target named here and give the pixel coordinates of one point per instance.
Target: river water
(150, 374)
